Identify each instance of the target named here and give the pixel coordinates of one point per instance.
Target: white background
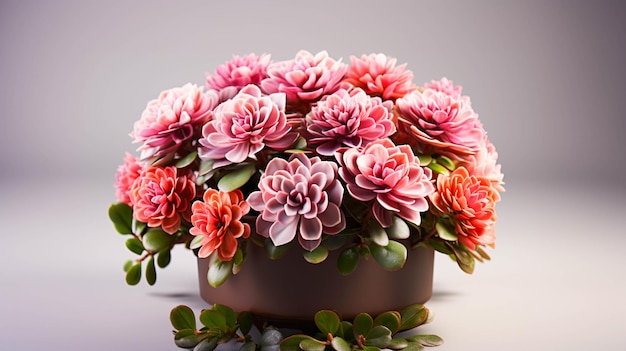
(546, 78)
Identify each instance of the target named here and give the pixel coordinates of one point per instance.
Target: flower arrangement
(311, 153)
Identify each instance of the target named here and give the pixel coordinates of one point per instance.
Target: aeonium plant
(309, 153)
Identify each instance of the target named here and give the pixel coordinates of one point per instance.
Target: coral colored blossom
(125, 176)
(231, 77)
(217, 218)
(388, 175)
(446, 86)
(160, 196)
(378, 75)
(469, 201)
(173, 121)
(485, 164)
(306, 78)
(245, 125)
(440, 123)
(300, 196)
(352, 119)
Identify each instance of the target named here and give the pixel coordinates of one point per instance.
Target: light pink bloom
(235, 74)
(441, 123)
(469, 201)
(352, 119)
(217, 218)
(445, 86)
(300, 196)
(172, 121)
(485, 164)
(378, 75)
(388, 175)
(306, 78)
(160, 197)
(125, 176)
(244, 125)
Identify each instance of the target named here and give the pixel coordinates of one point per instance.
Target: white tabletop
(556, 281)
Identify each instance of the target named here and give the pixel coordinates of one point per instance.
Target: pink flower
(352, 119)
(306, 78)
(389, 175)
(244, 125)
(445, 86)
(469, 201)
(235, 74)
(160, 197)
(218, 220)
(441, 123)
(172, 121)
(378, 75)
(125, 176)
(300, 196)
(485, 164)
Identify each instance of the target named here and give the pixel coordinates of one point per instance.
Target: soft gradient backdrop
(546, 77)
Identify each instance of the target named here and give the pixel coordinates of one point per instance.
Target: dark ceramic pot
(291, 289)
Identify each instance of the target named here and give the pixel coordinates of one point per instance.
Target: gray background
(546, 78)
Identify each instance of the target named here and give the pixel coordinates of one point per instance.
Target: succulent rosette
(173, 121)
(301, 196)
(354, 158)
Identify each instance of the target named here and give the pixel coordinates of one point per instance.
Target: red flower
(218, 219)
(125, 176)
(469, 201)
(160, 197)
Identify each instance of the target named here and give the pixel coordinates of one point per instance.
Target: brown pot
(291, 289)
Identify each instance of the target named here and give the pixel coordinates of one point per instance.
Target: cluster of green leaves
(221, 324)
(152, 245)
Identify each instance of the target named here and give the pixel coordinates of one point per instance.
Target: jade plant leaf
(182, 317)
(398, 344)
(218, 272)
(445, 232)
(347, 261)
(163, 258)
(362, 324)
(134, 245)
(127, 265)
(391, 257)
(275, 252)
(245, 320)
(208, 344)
(389, 319)
(230, 317)
(292, 343)
(413, 316)
(446, 162)
(340, 344)
(122, 217)
(236, 178)
(187, 160)
(187, 338)
(428, 340)
(212, 319)
(379, 336)
(318, 255)
(377, 233)
(156, 240)
(327, 321)
(312, 345)
(133, 275)
(151, 271)
(398, 229)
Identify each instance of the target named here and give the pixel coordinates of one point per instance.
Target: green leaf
(413, 346)
(440, 246)
(230, 316)
(218, 272)
(425, 160)
(445, 232)
(138, 226)
(371, 348)
(212, 319)
(362, 324)
(134, 245)
(245, 320)
(339, 344)
(377, 233)
(482, 253)
(122, 217)
(399, 229)
(316, 256)
(196, 242)
(236, 178)
(389, 319)
(312, 345)
(150, 271)
(327, 321)
(437, 168)
(334, 242)
(398, 344)
(206, 167)
(187, 338)
(391, 257)
(127, 265)
(379, 336)
(163, 258)
(275, 252)
(413, 316)
(348, 261)
(156, 240)
(463, 258)
(208, 344)
(345, 331)
(292, 343)
(182, 317)
(133, 275)
(187, 160)
(446, 162)
(428, 340)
